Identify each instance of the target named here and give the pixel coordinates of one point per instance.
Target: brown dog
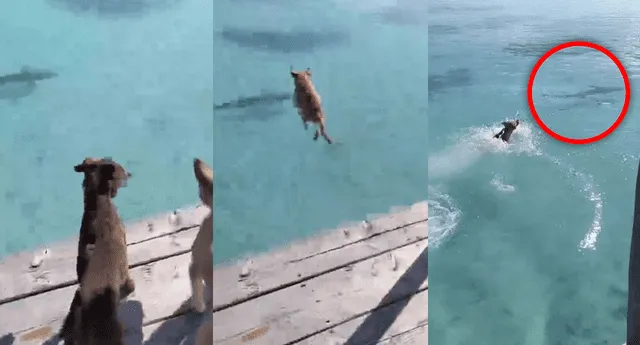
(307, 100)
(201, 267)
(103, 270)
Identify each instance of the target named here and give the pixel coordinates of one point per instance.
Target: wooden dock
(362, 284)
(357, 285)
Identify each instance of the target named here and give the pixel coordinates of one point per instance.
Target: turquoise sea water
(369, 63)
(529, 241)
(134, 82)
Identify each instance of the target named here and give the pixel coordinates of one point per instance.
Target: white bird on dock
(39, 258)
(174, 218)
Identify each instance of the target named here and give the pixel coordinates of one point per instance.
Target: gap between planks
(302, 311)
(177, 293)
(319, 255)
(403, 322)
(58, 270)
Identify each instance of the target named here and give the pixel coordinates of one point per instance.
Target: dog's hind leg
(69, 325)
(323, 133)
(197, 288)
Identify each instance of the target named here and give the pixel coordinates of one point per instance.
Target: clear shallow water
(134, 83)
(273, 182)
(529, 240)
(579, 92)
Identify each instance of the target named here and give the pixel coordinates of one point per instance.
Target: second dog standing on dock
(104, 280)
(308, 102)
(201, 267)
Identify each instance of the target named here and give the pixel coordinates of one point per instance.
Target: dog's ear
(308, 71)
(119, 172)
(294, 74)
(87, 165)
(204, 174)
(107, 171)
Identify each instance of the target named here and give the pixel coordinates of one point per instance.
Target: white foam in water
(498, 182)
(467, 150)
(444, 216)
(589, 241)
(472, 146)
(591, 192)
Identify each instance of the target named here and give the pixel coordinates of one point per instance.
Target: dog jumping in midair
(308, 102)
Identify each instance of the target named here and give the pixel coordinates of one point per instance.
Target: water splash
(591, 192)
(498, 182)
(477, 142)
(444, 216)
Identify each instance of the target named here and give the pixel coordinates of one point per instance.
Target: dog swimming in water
(507, 130)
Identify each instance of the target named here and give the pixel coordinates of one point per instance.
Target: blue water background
(529, 241)
(134, 82)
(369, 64)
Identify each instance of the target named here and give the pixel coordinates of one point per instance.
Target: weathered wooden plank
(178, 330)
(161, 288)
(58, 269)
(416, 336)
(403, 323)
(297, 312)
(305, 259)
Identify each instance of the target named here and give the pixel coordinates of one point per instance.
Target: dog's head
(204, 176)
(102, 175)
(299, 76)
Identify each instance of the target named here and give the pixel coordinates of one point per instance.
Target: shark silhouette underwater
(589, 97)
(15, 86)
(591, 91)
(256, 107)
